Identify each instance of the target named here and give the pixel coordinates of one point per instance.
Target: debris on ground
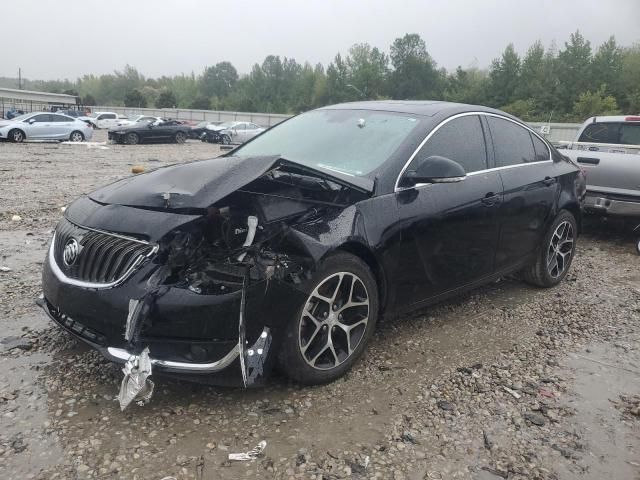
(252, 454)
(137, 169)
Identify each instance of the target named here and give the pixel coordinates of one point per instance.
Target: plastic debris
(136, 385)
(251, 454)
(16, 218)
(62, 209)
(5, 269)
(513, 393)
(137, 169)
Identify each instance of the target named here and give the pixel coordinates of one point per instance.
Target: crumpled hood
(201, 183)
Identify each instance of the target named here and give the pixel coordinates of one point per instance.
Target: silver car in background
(44, 126)
(233, 132)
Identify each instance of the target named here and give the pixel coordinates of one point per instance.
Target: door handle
(590, 161)
(490, 199)
(548, 181)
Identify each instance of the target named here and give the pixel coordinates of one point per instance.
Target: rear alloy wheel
(16, 136)
(556, 254)
(76, 136)
(180, 137)
(225, 139)
(638, 246)
(132, 139)
(335, 323)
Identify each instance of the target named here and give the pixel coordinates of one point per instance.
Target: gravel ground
(506, 382)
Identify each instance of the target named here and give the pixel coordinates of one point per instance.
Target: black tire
(16, 135)
(225, 140)
(180, 137)
(553, 261)
(132, 138)
(76, 136)
(333, 269)
(638, 246)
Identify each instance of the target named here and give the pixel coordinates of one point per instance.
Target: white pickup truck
(608, 150)
(104, 119)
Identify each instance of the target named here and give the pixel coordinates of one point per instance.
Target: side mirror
(434, 169)
(32, 121)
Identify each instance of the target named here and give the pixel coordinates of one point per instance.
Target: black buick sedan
(288, 250)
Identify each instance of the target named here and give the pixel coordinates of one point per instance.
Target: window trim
(398, 188)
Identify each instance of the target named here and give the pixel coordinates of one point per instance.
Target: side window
(600, 133)
(42, 118)
(460, 140)
(511, 142)
(110, 116)
(253, 126)
(240, 126)
(61, 118)
(541, 149)
(630, 133)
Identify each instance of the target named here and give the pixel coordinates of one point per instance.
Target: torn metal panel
(136, 385)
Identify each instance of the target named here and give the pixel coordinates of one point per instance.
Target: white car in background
(137, 119)
(44, 126)
(104, 119)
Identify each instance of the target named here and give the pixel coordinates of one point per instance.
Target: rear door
(62, 126)
(450, 231)
(239, 133)
(530, 186)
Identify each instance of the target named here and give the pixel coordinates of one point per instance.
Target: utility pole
(19, 79)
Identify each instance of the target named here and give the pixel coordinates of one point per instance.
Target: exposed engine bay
(247, 232)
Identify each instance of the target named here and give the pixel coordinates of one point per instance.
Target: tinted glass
(43, 117)
(61, 118)
(600, 133)
(460, 140)
(630, 133)
(511, 142)
(350, 141)
(542, 151)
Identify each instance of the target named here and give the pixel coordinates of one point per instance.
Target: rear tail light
(632, 119)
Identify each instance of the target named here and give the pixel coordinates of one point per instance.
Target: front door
(39, 126)
(450, 230)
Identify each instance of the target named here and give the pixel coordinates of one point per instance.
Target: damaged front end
(188, 279)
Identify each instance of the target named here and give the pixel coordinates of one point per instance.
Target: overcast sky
(67, 38)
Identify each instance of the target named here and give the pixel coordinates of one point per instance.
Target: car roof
(427, 108)
(613, 118)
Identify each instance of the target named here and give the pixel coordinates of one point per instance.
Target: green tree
(504, 77)
(367, 70)
(629, 84)
(218, 80)
(574, 68)
(590, 104)
(201, 103)
(134, 98)
(166, 99)
(467, 86)
(88, 100)
(415, 73)
(532, 72)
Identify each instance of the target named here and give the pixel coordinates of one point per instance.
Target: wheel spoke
(331, 324)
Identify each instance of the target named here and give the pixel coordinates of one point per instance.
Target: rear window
(630, 134)
(542, 151)
(600, 133)
(512, 143)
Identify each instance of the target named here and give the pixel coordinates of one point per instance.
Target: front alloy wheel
(335, 322)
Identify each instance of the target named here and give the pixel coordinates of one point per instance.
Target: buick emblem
(70, 253)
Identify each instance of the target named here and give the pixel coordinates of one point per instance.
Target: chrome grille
(102, 257)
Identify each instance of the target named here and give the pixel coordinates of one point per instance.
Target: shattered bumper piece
(136, 385)
(251, 454)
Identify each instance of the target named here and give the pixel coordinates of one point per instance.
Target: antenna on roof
(19, 79)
